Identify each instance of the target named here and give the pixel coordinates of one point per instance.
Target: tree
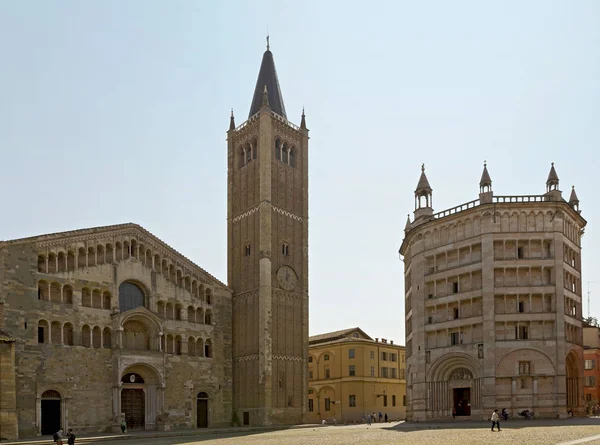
(591, 321)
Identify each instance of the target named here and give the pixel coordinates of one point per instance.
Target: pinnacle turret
(552, 181)
(485, 183)
(231, 121)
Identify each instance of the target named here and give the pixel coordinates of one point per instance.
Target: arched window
(100, 254)
(86, 336)
(199, 315)
(170, 312)
(43, 331)
(293, 157)
(118, 251)
(106, 338)
(62, 264)
(70, 261)
(96, 299)
(106, 297)
(208, 351)
(126, 250)
(202, 395)
(109, 254)
(91, 256)
(41, 263)
(81, 261)
(208, 296)
(68, 334)
(67, 294)
(97, 337)
(169, 345)
(43, 291)
(191, 314)
(178, 309)
(199, 348)
(191, 346)
(278, 149)
(86, 297)
(55, 293)
(132, 377)
(284, 153)
(177, 345)
(52, 263)
(130, 297)
(208, 317)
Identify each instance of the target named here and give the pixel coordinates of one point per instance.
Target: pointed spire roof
(552, 176)
(231, 121)
(267, 78)
(423, 185)
(485, 177)
(303, 122)
(408, 224)
(573, 199)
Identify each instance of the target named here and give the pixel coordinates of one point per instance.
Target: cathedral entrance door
(50, 412)
(202, 410)
(462, 401)
(133, 406)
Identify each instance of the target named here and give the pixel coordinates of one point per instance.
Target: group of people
(370, 418)
(60, 434)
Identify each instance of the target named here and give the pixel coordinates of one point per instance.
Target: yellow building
(351, 375)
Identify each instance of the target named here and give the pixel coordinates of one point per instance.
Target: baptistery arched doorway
(202, 410)
(573, 389)
(51, 412)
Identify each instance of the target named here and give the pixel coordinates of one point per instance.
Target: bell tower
(267, 250)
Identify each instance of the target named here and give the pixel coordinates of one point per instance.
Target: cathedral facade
(108, 324)
(493, 304)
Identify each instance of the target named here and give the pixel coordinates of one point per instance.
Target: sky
(114, 112)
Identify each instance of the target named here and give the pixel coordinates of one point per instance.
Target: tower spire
(267, 77)
(231, 121)
(485, 183)
(552, 181)
(303, 121)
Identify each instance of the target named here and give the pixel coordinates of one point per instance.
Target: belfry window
(248, 250)
(285, 249)
(284, 154)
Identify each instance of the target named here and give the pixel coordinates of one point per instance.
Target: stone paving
(464, 432)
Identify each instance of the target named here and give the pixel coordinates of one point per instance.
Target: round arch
(443, 367)
(140, 398)
(132, 294)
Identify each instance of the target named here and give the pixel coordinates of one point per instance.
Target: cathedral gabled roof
(336, 335)
(126, 228)
(267, 77)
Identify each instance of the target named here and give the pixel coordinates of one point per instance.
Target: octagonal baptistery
(493, 304)
(111, 323)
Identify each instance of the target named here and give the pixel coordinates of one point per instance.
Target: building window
(326, 357)
(427, 356)
(523, 383)
(394, 372)
(393, 357)
(310, 359)
(394, 400)
(248, 250)
(327, 404)
(327, 374)
(310, 391)
(384, 356)
(454, 338)
(455, 287)
(590, 364)
(351, 370)
(384, 400)
(372, 355)
(524, 367)
(311, 406)
(588, 397)
(285, 249)
(590, 380)
(352, 401)
(350, 353)
(522, 332)
(403, 400)
(372, 371)
(41, 334)
(130, 297)
(384, 372)
(521, 306)
(310, 375)
(455, 313)
(520, 253)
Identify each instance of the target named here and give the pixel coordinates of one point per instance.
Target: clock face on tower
(287, 278)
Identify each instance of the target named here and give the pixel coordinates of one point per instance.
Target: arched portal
(51, 412)
(202, 410)
(140, 401)
(572, 381)
(131, 296)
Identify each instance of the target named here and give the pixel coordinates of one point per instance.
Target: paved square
(564, 432)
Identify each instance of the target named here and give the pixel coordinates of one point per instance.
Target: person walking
(495, 420)
(385, 417)
(369, 419)
(58, 436)
(123, 426)
(71, 437)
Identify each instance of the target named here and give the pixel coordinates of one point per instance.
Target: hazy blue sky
(116, 111)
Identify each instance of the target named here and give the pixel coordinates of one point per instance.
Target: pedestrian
(385, 417)
(363, 418)
(453, 412)
(123, 426)
(380, 416)
(495, 420)
(369, 419)
(71, 437)
(58, 436)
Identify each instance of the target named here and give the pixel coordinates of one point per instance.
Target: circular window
(132, 377)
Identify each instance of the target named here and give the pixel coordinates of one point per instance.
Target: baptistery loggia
(493, 304)
(115, 323)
